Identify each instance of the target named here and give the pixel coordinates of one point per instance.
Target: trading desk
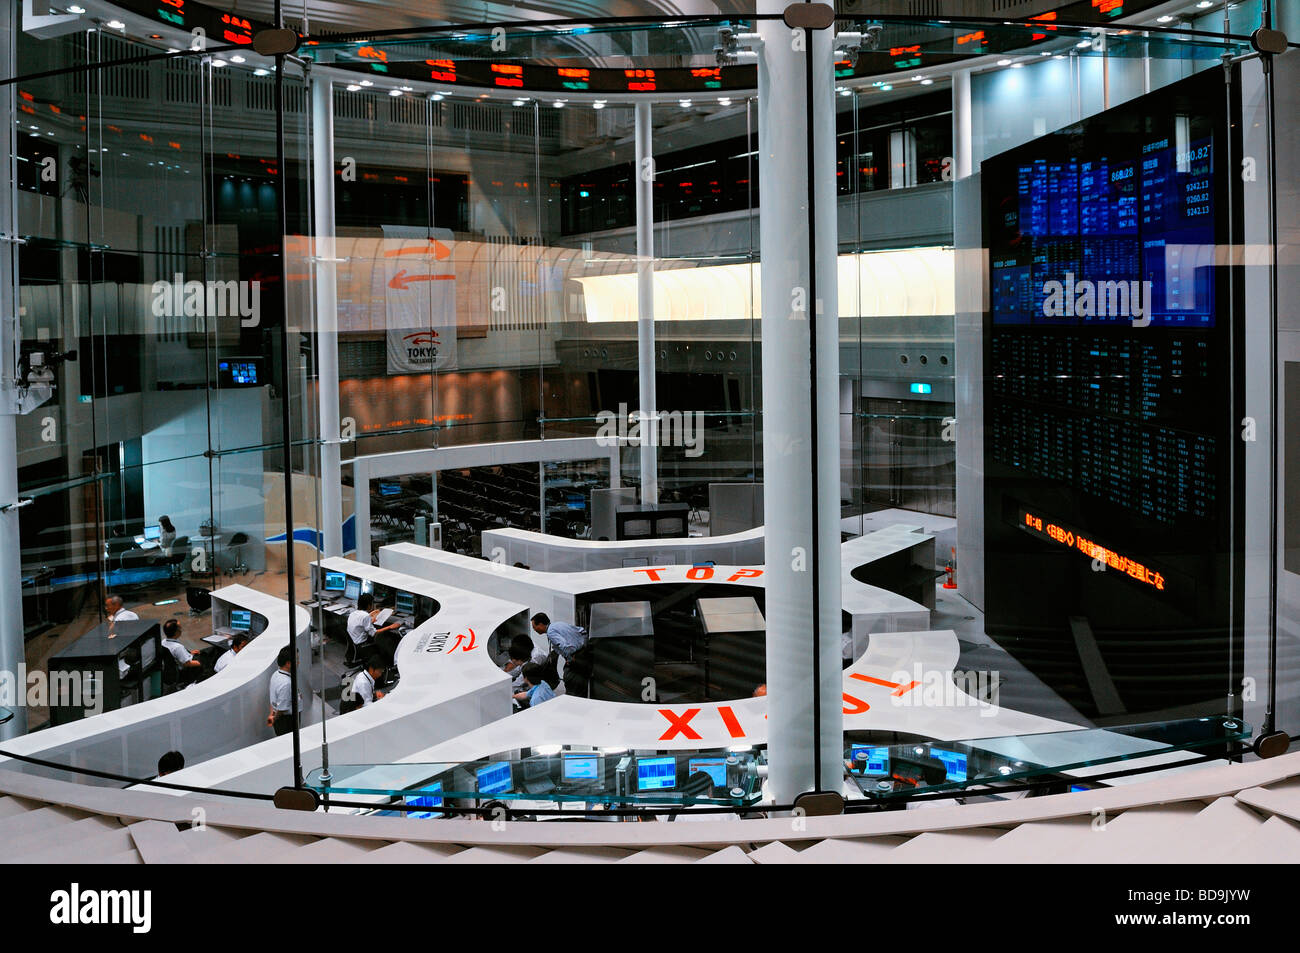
(96, 656)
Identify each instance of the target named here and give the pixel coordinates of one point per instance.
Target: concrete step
(850, 851)
(333, 850)
(505, 854)
(262, 848)
(728, 855)
(403, 852)
(1055, 841)
(666, 855)
(582, 855)
(947, 847)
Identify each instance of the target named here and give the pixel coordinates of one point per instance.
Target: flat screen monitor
(335, 582)
(241, 619)
(390, 489)
(405, 603)
(581, 766)
(715, 768)
(636, 529)
(493, 778)
(656, 774)
(381, 593)
(429, 796)
(239, 372)
(876, 758)
(153, 532)
(353, 589)
(954, 761)
(148, 654)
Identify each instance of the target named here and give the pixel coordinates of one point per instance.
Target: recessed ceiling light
(684, 103)
(353, 87)
(517, 102)
(394, 92)
(261, 72)
(116, 25)
(1205, 4)
(1083, 44)
(437, 97)
(846, 92)
(405, 89)
(76, 9)
(1017, 65)
(236, 59)
(1164, 19)
(218, 63)
(927, 82)
(1059, 56)
(886, 88)
(558, 104)
(598, 104)
(1004, 62)
(366, 82)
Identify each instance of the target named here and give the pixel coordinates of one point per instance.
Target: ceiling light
(517, 102)
(1017, 65)
(684, 103)
(76, 9)
(437, 97)
(116, 25)
(394, 92)
(1205, 4)
(261, 72)
(846, 92)
(218, 63)
(1004, 62)
(724, 101)
(886, 88)
(1164, 19)
(405, 89)
(558, 104)
(236, 58)
(352, 87)
(1083, 44)
(366, 82)
(927, 82)
(598, 104)
(1059, 56)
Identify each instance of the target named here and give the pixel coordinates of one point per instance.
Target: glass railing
(573, 779)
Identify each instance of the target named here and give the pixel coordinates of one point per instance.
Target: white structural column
(645, 304)
(327, 317)
(11, 585)
(800, 459)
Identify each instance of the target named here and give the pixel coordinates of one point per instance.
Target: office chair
(179, 552)
(199, 599)
(237, 542)
(171, 673)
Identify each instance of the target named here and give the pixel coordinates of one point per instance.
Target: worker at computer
(564, 637)
(237, 643)
(361, 621)
(536, 689)
(365, 687)
(166, 534)
(522, 651)
(281, 692)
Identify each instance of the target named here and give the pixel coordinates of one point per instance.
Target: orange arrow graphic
(402, 279)
(440, 251)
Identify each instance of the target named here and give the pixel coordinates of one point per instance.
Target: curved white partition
(449, 685)
(546, 553)
(221, 714)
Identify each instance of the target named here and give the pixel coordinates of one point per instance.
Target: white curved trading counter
(221, 714)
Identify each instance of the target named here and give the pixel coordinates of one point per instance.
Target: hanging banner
(420, 295)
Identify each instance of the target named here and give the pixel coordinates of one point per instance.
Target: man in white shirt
(361, 622)
(281, 694)
(237, 643)
(186, 661)
(365, 685)
(113, 609)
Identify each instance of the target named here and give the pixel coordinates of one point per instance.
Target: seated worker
(237, 643)
(536, 690)
(522, 651)
(564, 637)
(113, 609)
(361, 622)
(365, 687)
(186, 660)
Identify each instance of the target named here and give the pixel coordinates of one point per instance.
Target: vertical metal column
(645, 302)
(11, 585)
(801, 497)
(327, 315)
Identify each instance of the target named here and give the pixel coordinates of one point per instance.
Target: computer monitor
(493, 778)
(636, 529)
(669, 526)
(390, 489)
(353, 589)
(581, 766)
(405, 603)
(381, 593)
(148, 654)
(153, 532)
(876, 761)
(716, 768)
(335, 581)
(367, 586)
(241, 619)
(954, 761)
(656, 774)
(430, 796)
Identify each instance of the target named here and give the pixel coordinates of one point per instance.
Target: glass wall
(470, 304)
